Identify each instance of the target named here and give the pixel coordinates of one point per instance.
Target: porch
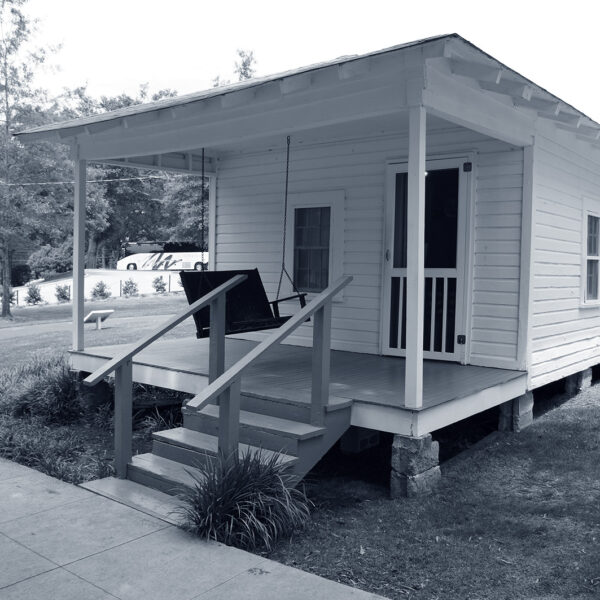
(374, 385)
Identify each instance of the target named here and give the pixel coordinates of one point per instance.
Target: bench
(247, 306)
(99, 316)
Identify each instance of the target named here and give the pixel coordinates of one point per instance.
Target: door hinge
(467, 167)
(461, 340)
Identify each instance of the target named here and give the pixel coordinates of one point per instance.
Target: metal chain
(285, 206)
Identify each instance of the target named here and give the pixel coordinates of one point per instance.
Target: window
(314, 239)
(592, 258)
(312, 229)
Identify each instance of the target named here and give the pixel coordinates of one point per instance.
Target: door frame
(464, 261)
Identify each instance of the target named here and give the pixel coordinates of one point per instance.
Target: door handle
(387, 255)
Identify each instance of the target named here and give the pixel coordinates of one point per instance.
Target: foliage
(20, 274)
(42, 387)
(101, 291)
(63, 293)
(185, 199)
(248, 501)
(34, 294)
(159, 285)
(244, 68)
(52, 259)
(130, 288)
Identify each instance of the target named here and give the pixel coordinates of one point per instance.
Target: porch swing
(247, 306)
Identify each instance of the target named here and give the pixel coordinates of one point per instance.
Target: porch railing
(226, 389)
(122, 365)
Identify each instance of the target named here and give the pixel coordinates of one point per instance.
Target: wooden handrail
(233, 374)
(127, 355)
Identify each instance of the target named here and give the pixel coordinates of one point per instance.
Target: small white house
(463, 201)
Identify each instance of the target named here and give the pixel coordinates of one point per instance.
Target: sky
(113, 46)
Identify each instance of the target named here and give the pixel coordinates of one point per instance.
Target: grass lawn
(39, 327)
(517, 515)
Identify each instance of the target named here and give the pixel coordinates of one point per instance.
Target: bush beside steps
(248, 501)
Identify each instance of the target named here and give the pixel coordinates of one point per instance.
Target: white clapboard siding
(497, 258)
(565, 336)
(249, 227)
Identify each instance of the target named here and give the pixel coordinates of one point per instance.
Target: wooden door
(445, 206)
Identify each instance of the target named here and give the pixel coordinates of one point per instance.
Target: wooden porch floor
(285, 372)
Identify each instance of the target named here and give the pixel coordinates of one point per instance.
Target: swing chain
(285, 207)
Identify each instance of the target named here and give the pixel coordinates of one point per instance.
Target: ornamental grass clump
(43, 386)
(248, 501)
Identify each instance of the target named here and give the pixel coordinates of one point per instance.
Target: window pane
(441, 218)
(592, 279)
(311, 248)
(400, 221)
(592, 237)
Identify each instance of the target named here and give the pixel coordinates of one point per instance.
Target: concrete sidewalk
(59, 541)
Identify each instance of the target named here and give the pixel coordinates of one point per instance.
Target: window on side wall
(592, 259)
(314, 239)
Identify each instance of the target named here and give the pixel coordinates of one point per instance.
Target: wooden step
(287, 408)
(194, 447)
(274, 433)
(160, 473)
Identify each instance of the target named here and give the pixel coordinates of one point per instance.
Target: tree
(21, 105)
(245, 66)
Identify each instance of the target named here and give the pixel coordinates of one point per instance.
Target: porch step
(286, 408)
(161, 473)
(194, 447)
(257, 429)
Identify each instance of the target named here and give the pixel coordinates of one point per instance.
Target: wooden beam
(79, 254)
(479, 71)
(354, 68)
(150, 162)
(295, 83)
(123, 418)
(536, 103)
(216, 354)
(239, 98)
(415, 271)
(508, 88)
(321, 357)
(445, 97)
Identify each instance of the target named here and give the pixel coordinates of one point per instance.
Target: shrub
(63, 293)
(50, 259)
(101, 291)
(248, 501)
(34, 294)
(159, 285)
(130, 288)
(42, 387)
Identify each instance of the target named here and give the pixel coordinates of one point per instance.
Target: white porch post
(415, 264)
(78, 254)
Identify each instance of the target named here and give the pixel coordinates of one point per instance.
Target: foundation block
(415, 466)
(517, 414)
(578, 381)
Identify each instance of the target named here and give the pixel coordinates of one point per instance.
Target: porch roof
(467, 75)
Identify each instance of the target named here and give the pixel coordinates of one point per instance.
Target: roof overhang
(448, 75)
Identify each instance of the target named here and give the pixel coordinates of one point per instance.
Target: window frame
(591, 209)
(335, 201)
